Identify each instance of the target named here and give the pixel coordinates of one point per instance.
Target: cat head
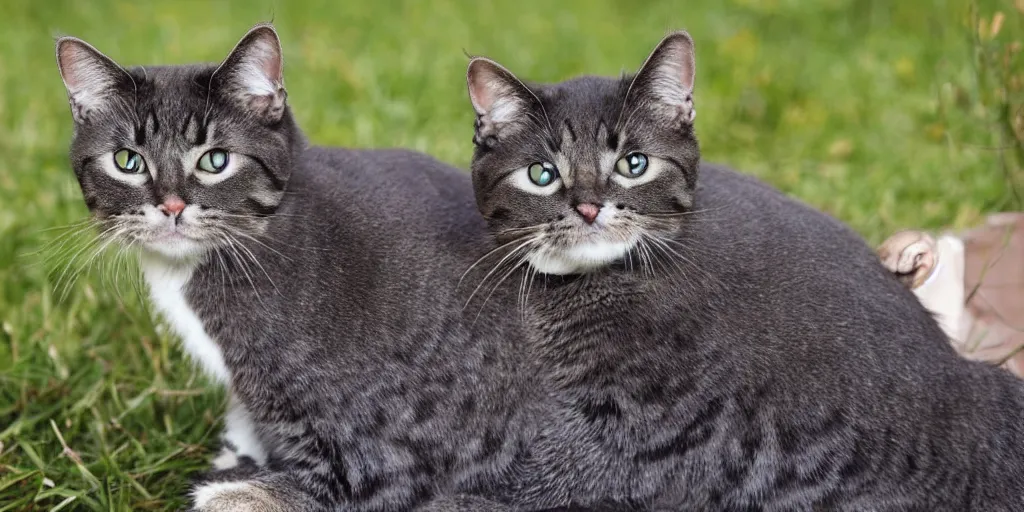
(575, 175)
(179, 160)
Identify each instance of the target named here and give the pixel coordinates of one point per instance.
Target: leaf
(997, 24)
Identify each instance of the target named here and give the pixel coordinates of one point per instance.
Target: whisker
(269, 248)
(512, 270)
(665, 244)
(531, 273)
(513, 252)
(686, 213)
(482, 258)
(91, 243)
(258, 264)
(242, 265)
(102, 242)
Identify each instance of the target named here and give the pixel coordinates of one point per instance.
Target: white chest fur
(167, 282)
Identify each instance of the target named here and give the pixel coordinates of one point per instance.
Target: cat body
(384, 353)
(363, 369)
(322, 286)
(736, 382)
(708, 343)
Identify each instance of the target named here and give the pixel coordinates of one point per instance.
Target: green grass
(884, 114)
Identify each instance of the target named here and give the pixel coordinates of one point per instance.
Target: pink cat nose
(589, 211)
(172, 205)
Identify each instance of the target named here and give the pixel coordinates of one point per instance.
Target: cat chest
(167, 292)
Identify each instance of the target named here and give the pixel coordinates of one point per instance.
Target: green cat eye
(129, 162)
(542, 174)
(213, 161)
(632, 165)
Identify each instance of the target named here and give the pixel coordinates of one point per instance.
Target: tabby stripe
(201, 129)
(261, 209)
(278, 182)
(690, 177)
(152, 123)
(696, 433)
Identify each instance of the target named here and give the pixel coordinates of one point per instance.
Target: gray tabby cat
(318, 284)
(322, 286)
(709, 344)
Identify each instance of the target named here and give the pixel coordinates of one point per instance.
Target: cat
(320, 285)
(706, 342)
(352, 302)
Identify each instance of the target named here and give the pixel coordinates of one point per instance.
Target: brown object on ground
(910, 255)
(994, 287)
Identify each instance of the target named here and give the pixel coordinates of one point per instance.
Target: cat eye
(632, 165)
(129, 162)
(213, 161)
(542, 174)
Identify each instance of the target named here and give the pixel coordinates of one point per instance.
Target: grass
(884, 114)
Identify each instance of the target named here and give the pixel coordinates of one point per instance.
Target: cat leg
(240, 443)
(262, 492)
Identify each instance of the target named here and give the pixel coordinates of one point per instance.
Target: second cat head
(575, 175)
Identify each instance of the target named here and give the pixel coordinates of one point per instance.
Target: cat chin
(177, 249)
(580, 258)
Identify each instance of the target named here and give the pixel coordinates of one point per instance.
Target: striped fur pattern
(745, 352)
(772, 364)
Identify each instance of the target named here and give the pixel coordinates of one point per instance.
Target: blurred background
(884, 114)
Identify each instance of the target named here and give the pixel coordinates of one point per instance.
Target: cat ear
(252, 74)
(665, 81)
(93, 81)
(501, 101)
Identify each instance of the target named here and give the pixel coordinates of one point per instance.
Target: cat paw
(227, 458)
(910, 255)
(243, 469)
(234, 497)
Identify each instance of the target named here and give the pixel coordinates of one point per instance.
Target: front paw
(241, 468)
(236, 496)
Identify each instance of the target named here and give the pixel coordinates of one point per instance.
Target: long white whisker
(242, 265)
(89, 245)
(484, 257)
(498, 266)
(96, 249)
(257, 262)
(512, 269)
(269, 248)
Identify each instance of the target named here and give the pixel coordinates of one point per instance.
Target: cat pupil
(542, 174)
(128, 161)
(213, 161)
(632, 165)
(637, 164)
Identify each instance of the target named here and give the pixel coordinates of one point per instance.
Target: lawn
(884, 114)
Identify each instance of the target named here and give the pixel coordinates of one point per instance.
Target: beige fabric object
(943, 292)
(994, 284)
(974, 283)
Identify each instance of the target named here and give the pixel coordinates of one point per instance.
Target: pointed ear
(665, 81)
(252, 74)
(501, 101)
(93, 81)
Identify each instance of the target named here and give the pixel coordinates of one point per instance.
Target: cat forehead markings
(607, 161)
(563, 165)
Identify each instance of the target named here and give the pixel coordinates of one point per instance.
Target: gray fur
(732, 381)
(338, 308)
(770, 363)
